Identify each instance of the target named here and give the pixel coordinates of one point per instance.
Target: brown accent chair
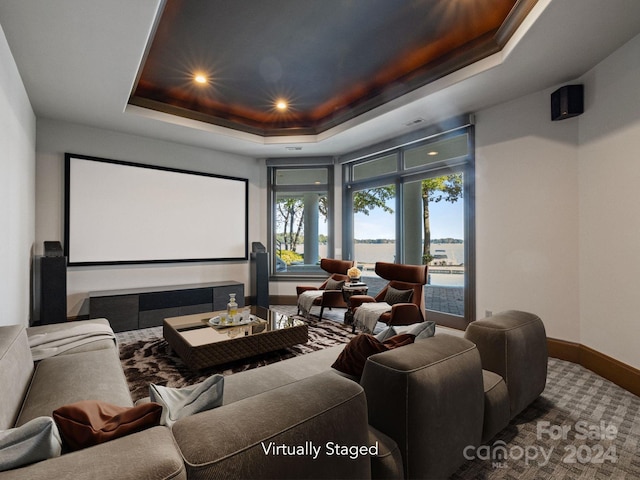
(329, 298)
(400, 277)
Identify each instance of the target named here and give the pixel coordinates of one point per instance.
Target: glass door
(374, 231)
(414, 204)
(434, 234)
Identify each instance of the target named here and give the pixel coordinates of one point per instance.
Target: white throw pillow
(386, 333)
(423, 330)
(36, 440)
(182, 402)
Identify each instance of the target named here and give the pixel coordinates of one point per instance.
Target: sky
(447, 220)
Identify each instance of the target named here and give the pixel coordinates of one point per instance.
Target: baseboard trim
(569, 351)
(283, 300)
(607, 367)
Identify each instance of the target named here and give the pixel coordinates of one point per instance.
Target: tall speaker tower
(53, 284)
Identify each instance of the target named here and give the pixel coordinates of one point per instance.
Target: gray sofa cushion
(387, 464)
(16, 369)
(71, 378)
(258, 380)
(428, 397)
(513, 344)
(496, 405)
(232, 441)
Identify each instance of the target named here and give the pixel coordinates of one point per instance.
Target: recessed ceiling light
(200, 78)
(432, 153)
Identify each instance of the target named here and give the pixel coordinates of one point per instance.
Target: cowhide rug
(152, 361)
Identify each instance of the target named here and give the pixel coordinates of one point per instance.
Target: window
(374, 168)
(300, 219)
(414, 204)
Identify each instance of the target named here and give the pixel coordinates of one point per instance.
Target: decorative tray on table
(224, 322)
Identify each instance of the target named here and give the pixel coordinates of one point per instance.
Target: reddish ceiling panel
(328, 60)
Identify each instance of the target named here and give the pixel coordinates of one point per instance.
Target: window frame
(273, 190)
(465, 164)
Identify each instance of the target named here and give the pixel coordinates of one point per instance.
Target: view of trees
(289, 222)
(290, 210)
(434, 190)
(366, 200)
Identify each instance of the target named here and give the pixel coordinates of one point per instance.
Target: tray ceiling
(287, 67)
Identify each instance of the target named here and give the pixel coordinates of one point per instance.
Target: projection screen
(125, 213)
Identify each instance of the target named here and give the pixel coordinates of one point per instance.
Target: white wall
(527, 213)
(54, 138)
(610, 206)
(558, 210)
(17, 192)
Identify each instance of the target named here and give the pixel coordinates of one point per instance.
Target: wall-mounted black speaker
(567, 102)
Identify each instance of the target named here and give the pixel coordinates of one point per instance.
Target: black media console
(135, 308)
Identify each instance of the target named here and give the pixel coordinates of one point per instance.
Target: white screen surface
(118, 212)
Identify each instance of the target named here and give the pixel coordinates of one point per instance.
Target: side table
(348, 290)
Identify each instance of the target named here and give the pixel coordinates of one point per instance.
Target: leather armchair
(400, 277)
(328, 297)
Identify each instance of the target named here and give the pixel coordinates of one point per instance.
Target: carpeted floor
(147, 358)
(582, 427)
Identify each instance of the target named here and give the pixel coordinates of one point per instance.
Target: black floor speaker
(53, 285)
(260, 275)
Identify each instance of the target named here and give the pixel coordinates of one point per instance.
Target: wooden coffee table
(200, 345)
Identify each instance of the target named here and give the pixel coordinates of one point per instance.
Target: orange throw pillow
(87, 423)
(354, 356)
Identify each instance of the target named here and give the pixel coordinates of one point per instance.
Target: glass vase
(232, 306)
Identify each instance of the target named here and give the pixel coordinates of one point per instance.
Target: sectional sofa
(410, 414)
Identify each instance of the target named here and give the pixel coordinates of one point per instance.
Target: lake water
(386, 252)
(369, 253)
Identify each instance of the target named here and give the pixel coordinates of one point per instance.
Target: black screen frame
(67, 215)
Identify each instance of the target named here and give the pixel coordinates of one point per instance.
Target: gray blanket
(48, 344)
(367, 315)
(305, 300)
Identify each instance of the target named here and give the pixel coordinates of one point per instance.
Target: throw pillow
(354, 355)
(334, 284)
(36, 440)
(90, 422)
(386, 333)
(423, 330)
(394, 296)
(182, 402)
